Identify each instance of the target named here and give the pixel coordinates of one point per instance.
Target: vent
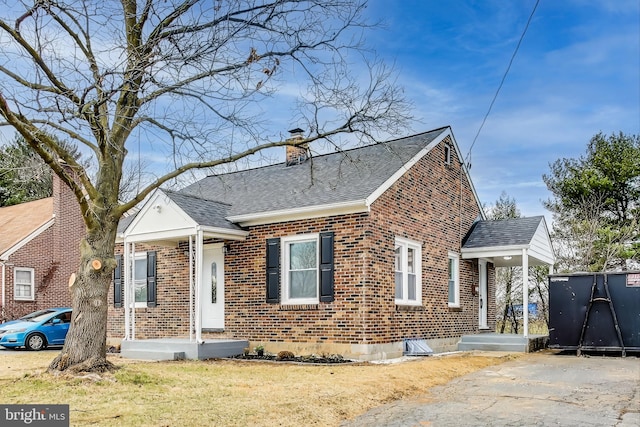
(416, 347)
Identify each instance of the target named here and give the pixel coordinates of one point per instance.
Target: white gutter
(317, 211)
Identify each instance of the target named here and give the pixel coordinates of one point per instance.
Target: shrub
(285, 355)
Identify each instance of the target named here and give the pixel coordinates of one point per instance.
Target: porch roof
(168, 215)
(503, 241)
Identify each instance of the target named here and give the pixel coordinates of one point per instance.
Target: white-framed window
(453, 269)
(300, 274)
(23, 284)
(140, 279)
(408, 272)
(447, 154)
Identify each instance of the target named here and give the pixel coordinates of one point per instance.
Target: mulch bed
(313, 358)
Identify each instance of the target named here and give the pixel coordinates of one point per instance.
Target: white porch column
(192, 326)
(198, 311)
(525, 293)
(125, 275)
(131, 307)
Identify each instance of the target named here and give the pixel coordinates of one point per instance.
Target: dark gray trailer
(595, 311)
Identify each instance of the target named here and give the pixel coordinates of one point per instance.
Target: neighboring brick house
(39, 249)
(350, 252)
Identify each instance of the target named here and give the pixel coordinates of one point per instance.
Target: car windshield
(38, 316)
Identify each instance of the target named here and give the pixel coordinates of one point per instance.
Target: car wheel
(35, 342)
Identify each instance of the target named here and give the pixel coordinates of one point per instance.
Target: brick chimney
(297, 154)
(68, 225)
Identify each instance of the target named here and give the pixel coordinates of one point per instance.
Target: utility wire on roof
(468, 158)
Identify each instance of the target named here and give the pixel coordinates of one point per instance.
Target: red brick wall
(54, 255)
(171, 316)
(433, 204)
(425, 205)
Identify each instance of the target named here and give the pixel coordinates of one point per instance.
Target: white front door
(212, 290)
(482, 294)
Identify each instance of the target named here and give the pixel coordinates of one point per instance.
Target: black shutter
(273, 270)
(151, 279)
(117, 282)
(326, 267)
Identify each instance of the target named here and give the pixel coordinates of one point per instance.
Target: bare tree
(508, 279)
(508, 290)
(188, 77)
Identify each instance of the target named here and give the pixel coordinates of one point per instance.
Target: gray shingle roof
(208, 213)
(506, 232)
(204, 212)
(339, 177)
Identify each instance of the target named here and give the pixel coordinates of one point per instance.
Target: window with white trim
(23, 284)
(454, 279)
(408, 272)
(301, 266)
(140, 279)
(447, 154)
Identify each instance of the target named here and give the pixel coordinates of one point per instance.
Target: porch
(491, 341)
(181, 348)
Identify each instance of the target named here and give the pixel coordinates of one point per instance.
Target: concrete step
(502, 342)
(486, 346)
(180, 348)
(494, 338)
(153, 355)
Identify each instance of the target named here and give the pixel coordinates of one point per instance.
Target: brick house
(351, 252)
(39, 249)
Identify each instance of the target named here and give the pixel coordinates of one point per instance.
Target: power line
(535, 6)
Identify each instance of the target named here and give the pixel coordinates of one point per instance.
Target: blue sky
(577, 73)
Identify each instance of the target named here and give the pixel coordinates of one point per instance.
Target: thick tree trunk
(85, 347)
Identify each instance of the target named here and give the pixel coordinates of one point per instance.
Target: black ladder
(611, 309)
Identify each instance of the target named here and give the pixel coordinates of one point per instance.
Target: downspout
(3, 291)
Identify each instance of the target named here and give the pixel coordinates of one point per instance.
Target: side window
(23, 280)
(447, 154)
(408, 272)
(454, 279)
(214, 283)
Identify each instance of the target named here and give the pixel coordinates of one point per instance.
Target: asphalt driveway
(541, 389)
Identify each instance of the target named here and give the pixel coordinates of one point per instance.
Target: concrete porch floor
(503, 342)
(180, 348)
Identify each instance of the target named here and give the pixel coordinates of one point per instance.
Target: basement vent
(416, 347)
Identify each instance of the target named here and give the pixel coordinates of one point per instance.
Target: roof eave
(224, 233)
(307, 212)
(492, 251)
(22, 242)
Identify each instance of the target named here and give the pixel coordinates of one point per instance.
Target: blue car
(37, 330)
